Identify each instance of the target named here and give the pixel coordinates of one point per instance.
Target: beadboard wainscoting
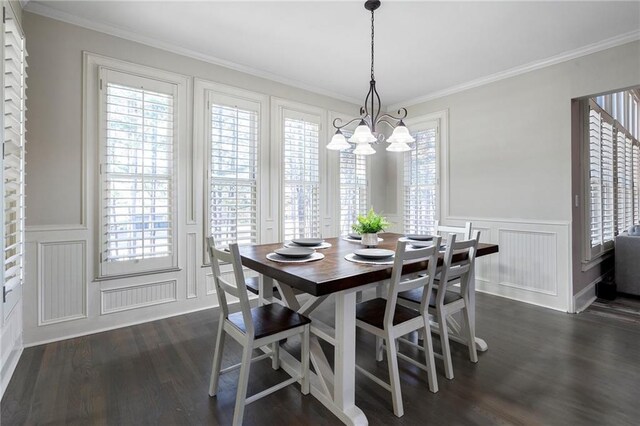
(61, 277)
(533, 262)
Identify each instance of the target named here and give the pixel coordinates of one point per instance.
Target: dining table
(343, 280)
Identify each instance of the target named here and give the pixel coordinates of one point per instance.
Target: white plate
(419, 245)
(419, 237)
(307, 242)
(295, 252)
(375, 254)
(277, 258)
(355, 236)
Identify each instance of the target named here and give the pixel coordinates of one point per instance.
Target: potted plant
(368, 226)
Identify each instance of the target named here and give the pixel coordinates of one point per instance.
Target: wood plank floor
(542, 367)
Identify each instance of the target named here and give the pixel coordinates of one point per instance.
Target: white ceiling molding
(43, 10)
(23, 3)
(532, 66)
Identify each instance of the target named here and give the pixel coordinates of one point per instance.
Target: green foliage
(370, 224)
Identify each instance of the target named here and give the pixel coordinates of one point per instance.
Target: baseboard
(9, 367)
(585, 297)
(528, 302)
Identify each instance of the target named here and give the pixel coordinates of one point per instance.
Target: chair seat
(416, 296)
(372, 313)
(270, 319)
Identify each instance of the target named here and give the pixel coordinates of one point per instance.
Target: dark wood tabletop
(334, 273)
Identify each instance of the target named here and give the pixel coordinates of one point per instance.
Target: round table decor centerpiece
(368, 227)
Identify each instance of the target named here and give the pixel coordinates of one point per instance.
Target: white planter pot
(369, 240)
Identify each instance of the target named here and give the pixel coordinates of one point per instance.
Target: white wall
(61, 231)
(510, 168)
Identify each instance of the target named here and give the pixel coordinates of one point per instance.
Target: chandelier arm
(382, 120)
(401, 115)
(339, 120)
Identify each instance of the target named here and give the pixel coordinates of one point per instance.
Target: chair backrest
(224, 286)
(398, 284)
(465, 230)
(461, 268)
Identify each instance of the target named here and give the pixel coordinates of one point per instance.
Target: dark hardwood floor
(542, 367)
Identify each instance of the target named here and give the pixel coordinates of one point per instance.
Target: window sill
(135, 274)
(589, 264)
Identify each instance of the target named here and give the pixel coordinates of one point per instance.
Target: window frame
(91, 157)
(592, 253)
(279, 107)
(205, 91)
(415, 125)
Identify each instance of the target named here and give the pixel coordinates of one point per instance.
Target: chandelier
(371, 116)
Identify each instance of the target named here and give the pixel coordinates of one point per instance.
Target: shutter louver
(301, 178)
(420, 184)
(14, 157)
(636, 184)
(138, 174)
(608, 182)
(595, 177)
(234, 171)
(353, 188)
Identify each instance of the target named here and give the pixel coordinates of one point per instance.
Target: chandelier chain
(372, 41)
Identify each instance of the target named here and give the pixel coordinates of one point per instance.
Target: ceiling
(422, 48)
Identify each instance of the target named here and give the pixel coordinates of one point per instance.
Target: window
(233, 169)
(353, 188)
(138, 137)
(14, 160)
(614, 178)
(301, 162)
(421, 180)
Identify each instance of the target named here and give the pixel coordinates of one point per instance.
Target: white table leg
(265, 290)
(345, 358)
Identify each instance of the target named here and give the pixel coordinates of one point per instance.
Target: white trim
(522, 69)
(9, 368)
(598, 259)
(590, 292)
(49, 12)
(54, 228)
(509, 220)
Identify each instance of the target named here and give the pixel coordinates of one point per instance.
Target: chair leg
(379, 349)
(275, 356)
(217, 359)
(471, 335)
(243, 381)
(394, 376)
(304, 365)
(427, 343)
(444, 339)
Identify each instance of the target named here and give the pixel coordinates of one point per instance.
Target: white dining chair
(464, 231)
(387, 320)
(252, 328)
(447, 300)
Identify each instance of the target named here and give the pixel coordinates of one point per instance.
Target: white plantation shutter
(301, 159)
(620, 168)
(608, 183)
(421, 182)
(595, 177)
(628, 184)
(353, 187)
(137, 171)
(636, 183)
(14, 160)
(233, 170)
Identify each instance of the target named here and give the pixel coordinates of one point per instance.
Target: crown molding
(24, 3)
(49, 12)
(532, 66)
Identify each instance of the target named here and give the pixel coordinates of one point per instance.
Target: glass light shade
(362, 134)
(338, 142)
(364, 149)
(398, 147)
(401, 135)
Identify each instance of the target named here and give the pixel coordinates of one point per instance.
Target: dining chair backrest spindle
(462, 268)
(399, 283)
(464, 231)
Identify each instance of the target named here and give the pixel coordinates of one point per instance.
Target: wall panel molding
(192, 288)
(137, 296)
(528, 260)
(62, 281)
